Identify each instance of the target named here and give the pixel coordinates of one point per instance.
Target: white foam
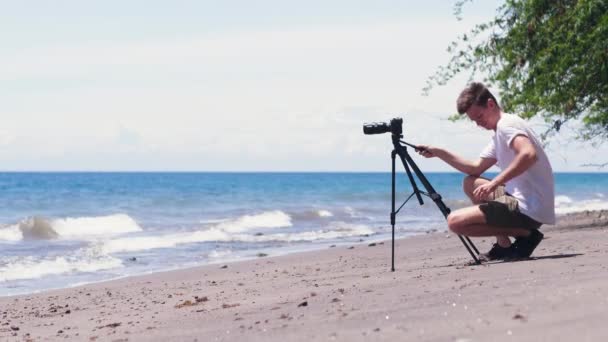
(82, 227)
(335, 231)
(219, 254)
(353, 213)
(213, 221)
(132, 244)
(325, 213)
(33, 268)
(268, 219)
(11, 233)
(142, 243)
(578, 206)
(350, 211)
(220, 232)
(37, 228)
(32, 228)
(566, 205)
(562, 200)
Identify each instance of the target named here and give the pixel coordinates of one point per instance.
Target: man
(520, 198)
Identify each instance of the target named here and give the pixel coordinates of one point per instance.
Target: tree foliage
(547, 57)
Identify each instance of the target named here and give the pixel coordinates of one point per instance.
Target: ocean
(65, 229)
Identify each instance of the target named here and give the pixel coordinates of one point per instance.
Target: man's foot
(498, 253)
(524, 246)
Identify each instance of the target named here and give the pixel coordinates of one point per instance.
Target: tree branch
(599, 166)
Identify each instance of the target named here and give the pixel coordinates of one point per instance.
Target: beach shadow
(498, 262)
(556, 256)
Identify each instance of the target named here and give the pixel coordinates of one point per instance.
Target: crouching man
(520, 198)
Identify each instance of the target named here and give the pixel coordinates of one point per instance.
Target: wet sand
(346, 294)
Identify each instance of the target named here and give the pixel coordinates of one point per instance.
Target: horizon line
(253, 171)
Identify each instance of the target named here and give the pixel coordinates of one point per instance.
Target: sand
(346, 293)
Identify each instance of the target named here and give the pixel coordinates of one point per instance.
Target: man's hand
(482, 192)
(426, 151)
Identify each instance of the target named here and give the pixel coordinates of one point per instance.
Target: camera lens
(376, 128)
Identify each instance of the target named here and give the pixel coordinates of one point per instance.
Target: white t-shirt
(533, 189)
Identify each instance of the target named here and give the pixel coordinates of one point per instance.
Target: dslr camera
(395, 126)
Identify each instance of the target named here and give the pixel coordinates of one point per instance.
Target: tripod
(401, 151)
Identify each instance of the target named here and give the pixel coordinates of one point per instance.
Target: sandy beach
(345, 293)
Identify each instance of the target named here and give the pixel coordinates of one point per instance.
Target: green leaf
(547, 57)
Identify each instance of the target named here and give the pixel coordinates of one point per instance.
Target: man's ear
(490, 104)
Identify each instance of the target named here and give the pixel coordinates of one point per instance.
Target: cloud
(6, 138)
(127, 137)
(241, 54)
(250, 100)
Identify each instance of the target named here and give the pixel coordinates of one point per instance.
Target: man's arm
(525, 157)
(473, 168)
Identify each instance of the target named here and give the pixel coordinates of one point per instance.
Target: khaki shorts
(503, 211)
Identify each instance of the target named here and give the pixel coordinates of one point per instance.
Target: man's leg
(471, 221)
(469, 184)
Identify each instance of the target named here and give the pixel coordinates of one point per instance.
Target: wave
(142, 243)
(352, 212)
(213, 221)
(92, 226)
(569, 206)
(337, 230)
(33, 268)
(33, 228)
(11, 233)
(221, 254)
(268, 219)
(324, 213)
(132, 244)
(561, 201)
(38, 228)
(311, 214)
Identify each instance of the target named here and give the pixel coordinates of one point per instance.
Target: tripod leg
(469, 248)
(393, 154)
(412, 181)
(472, 245)
(405, 157)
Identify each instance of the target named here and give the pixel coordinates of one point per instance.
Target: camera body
(395, 126)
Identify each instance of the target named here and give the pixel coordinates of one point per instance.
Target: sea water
(65, 229)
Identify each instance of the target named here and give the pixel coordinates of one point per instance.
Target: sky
(231, 85)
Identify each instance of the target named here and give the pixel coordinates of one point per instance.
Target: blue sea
(65, 229)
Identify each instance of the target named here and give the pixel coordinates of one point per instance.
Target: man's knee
(456, 222)
(468, 184)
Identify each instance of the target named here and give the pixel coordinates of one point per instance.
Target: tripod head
(395, 126)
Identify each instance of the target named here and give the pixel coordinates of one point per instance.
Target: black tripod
(401, 151)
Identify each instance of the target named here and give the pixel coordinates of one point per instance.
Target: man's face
(481, 116)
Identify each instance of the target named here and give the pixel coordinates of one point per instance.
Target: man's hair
(474, 94)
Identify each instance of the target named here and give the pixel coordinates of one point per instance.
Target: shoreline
(585, 218)
(344, 293)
